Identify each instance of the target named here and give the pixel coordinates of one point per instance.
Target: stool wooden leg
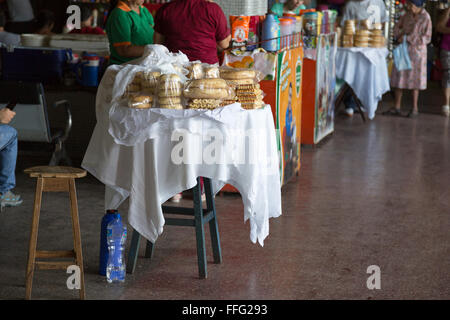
(76, 234)
(199, 232)
(133, 252)
(213, 225)
(33, 238)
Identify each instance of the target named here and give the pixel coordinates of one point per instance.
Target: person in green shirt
(129, 28)
(290, 6)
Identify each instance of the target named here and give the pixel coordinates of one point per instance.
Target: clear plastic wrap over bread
(198, 70)
(195, 70)
(169, 85)
(211, 71)
(169, 92)
(140, 101)
(240, 76)
(216, 89)
(143, 82)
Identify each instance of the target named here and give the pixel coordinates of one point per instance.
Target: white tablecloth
(365, 71)
(143, 165)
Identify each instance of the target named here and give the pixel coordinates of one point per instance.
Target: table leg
(213, 225)
(359, 105)
(133, 252)
(199, 231)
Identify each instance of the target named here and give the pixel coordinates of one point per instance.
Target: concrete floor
(371, 194)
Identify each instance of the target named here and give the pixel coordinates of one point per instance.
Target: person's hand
(6, 115)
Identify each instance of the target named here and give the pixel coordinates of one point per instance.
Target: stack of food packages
(365, 35)
(207, 87)
(246, 85)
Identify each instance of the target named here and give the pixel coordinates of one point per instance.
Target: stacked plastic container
(287, 27)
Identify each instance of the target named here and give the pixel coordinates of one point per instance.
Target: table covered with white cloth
(150, 155)
(365, 71)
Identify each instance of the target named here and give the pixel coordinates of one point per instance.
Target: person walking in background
(8, 158)
(415, 24)
(443, 26)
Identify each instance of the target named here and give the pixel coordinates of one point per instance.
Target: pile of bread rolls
(207, 87)
(206, 93)
(348, 33)
(361, 38)
(169, 91)
(365, 35)
(141, 90)
(248, 91)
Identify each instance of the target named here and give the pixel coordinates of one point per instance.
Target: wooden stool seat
(55, 179)
(55, 172)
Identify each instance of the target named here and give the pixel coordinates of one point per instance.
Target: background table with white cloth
(365, 71)
(140, 154)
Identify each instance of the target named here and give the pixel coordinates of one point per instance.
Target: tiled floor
(371, 194)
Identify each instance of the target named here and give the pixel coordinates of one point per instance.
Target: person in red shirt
(87, 19)
(198, 28)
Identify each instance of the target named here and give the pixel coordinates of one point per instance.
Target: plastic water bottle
(107, 218)
(271, 30)
(116, 233)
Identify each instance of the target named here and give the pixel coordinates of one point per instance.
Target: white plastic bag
(401, 56)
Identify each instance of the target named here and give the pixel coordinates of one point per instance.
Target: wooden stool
(54, 179)
(200, 218)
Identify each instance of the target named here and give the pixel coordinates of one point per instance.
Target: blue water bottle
(116, 233)
(107, 218)
(271, 30)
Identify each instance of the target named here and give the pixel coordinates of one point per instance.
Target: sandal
(412, 114)
(392, 112)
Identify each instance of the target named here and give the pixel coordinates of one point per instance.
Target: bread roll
(195, 71)
(172, 77)
(197, 93)
(208, 84)
(230, 74)
(234, 83)
(140, 101)
(169, 92)
(211, 72)
(362, 33)
(169, 100)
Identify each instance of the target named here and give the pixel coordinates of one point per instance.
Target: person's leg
(446, 106)
(8, 157)
(415, 109)
(398, 98)
(447, 96)
(445, 62)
